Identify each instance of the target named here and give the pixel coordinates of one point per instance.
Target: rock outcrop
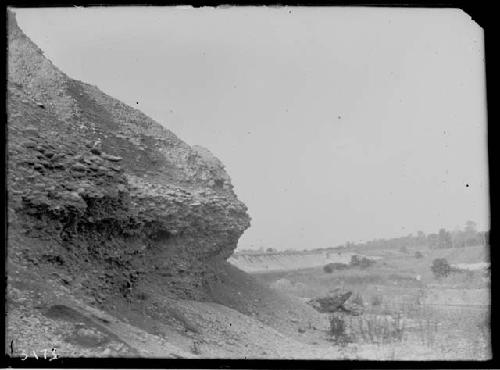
(103, 192)
(331, 303)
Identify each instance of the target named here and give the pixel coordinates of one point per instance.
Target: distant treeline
(458, 238)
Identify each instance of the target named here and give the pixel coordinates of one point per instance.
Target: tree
(483, 238)
(361, 261)
(440, 267)
(470, 234)
(470, 227)
(432, 240)
(444, 239)
(420, 238)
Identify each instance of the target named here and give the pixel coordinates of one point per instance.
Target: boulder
(330, 304)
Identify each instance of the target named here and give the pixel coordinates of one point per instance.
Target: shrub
(334, 266)
(419, 255)
(382, 330)
(338, 330)
(361, 261)
(403, 249)
(440, 267)
(328, 268)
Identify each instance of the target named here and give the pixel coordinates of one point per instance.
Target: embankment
(269, 262)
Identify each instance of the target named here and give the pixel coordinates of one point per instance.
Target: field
(407, 313)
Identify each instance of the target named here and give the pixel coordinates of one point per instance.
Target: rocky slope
(93, 174)
(119, 232)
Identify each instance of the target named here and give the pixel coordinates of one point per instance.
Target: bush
(403, 249)
(334, 266)
(361, 261)
(419, 255)
(328, 268)
(338, 330)
(440, 267)
(382, 330)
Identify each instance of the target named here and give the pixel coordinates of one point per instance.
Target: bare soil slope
(118, 234)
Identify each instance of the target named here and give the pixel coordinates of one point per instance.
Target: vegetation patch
(440, 268)
(361, 261)
(331, 267)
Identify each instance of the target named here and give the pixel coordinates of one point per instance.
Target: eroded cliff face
(105, 194)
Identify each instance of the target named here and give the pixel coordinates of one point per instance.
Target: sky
(335, 124)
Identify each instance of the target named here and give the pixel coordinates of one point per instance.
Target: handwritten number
(54, 355)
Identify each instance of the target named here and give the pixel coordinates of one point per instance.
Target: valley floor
(408, 314)
(255, 317)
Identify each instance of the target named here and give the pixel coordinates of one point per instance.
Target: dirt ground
(45, 314)
(245, 318)
(408, 312)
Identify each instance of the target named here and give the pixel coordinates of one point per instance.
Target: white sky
(334, 124)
